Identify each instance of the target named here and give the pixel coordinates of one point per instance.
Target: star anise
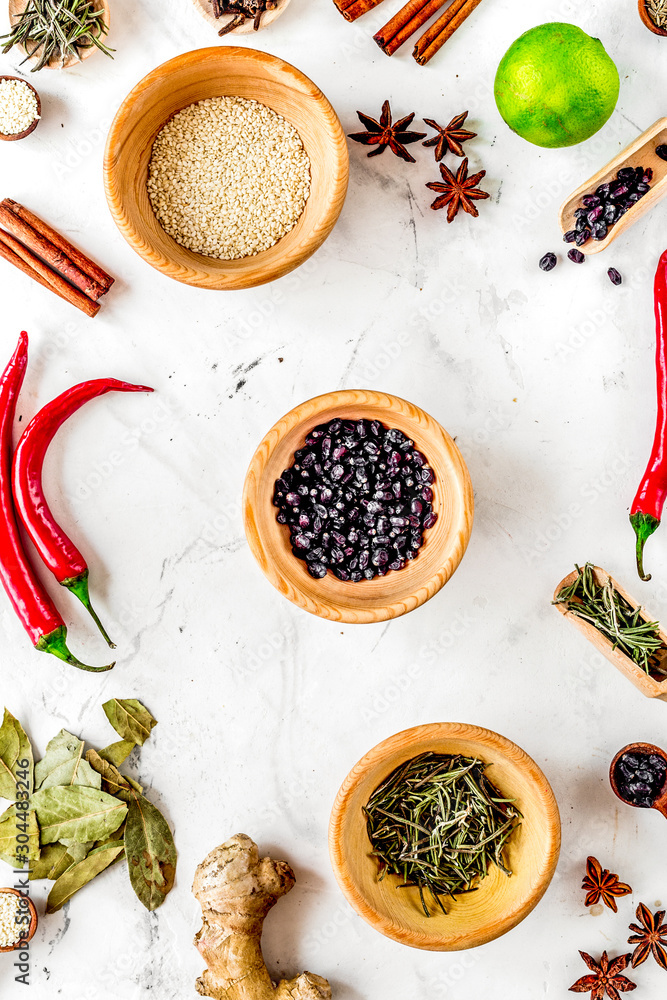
(458, 192)
(387, 133)
(650, 937)
(449, 137)
(600, 884)
(606, 977)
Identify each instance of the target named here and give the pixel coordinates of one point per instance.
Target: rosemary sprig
(602, 606)
(55, 30)
(439, 824)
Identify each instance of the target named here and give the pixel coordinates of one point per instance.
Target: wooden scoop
(640, 153)
(661, 802)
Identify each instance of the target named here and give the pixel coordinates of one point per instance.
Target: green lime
(556, 86)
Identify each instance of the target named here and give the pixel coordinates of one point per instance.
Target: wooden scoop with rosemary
(58, 32)
(625, 626)
(439, 823)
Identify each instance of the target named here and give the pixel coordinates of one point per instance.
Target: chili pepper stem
(56, 643)
(644, 526)
(78, 585)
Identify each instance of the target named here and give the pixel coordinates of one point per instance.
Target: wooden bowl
(205, 7)
(499, 903)
(640, 153)
(648, 21)
(16, 8)
(399, 591)
(33, 919)
(217, 72)
(31, 128)
(649, 686)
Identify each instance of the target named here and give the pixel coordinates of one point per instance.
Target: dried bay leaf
(151, 853)
(50, 864)
(113, 781)
(130, 719)
(11, 828)
(79, 874)
(77, 813)
(9, 751)
(63, 764)
(117, 753)
(77, 852)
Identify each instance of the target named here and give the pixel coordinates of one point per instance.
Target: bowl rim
(419, 735)
(307, 412)
(222, 278)
(31, 128)
(33, 918)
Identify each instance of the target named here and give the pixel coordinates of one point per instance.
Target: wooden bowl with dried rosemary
(654, 15)
(58, 35)
(495, 812)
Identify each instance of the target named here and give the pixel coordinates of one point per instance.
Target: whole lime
(556, 86)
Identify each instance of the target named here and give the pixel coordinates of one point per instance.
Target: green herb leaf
(63, 764)
(80, 874)
(77, 852)
(130, 719)
(11, 828)
(53, 861)
(113, 781)
(117, 753)
(78, 813)
(151, 853)
(9, 751)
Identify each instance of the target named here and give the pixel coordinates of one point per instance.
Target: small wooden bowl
(660, 804)
(399, 591)
(31, 128)
(16, 8)
(640, 153)
(648, 686)
(33, 919)
(648, 20)
(499, 903)
(217, 72)
(205, 7)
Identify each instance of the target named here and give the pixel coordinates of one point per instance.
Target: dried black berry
(661, 151)
(608, 203)
(614, 276)
(355, 500)
(576, 256)
(549, 262)
(570, 236)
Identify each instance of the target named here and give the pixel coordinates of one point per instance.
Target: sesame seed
(18, 107)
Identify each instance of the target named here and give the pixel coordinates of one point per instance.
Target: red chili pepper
(646, 509)
(31, 602)
(57, 550)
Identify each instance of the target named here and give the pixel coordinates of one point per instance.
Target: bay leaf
(11, 828)
(117, 836)
(9, 751)
(78, 813)
(77, 852)
(63, 764)
(130, 719)
(50, 862)
(79, 874)
(113, 781)
(117, 753)
(151, 853)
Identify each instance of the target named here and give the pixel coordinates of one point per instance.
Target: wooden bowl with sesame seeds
(31, 128)
(220, 72)
(399, 591)
(31, 911)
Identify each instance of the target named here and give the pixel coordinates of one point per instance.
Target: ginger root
(236, 889)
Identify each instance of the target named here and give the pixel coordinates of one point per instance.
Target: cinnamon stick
(55, 258)
(343, 4)
(358, 9)
(51, 279)
(79, 259)
(443, 29)
(408, 20)
(10, 256)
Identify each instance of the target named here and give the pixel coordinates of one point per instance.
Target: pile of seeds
(357, 500)
(439, 823)
(10, 928)
(640, 777)
(608, 204)
(228, 177)
(18, 107)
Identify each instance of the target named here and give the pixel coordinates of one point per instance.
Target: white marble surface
(545, 380)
